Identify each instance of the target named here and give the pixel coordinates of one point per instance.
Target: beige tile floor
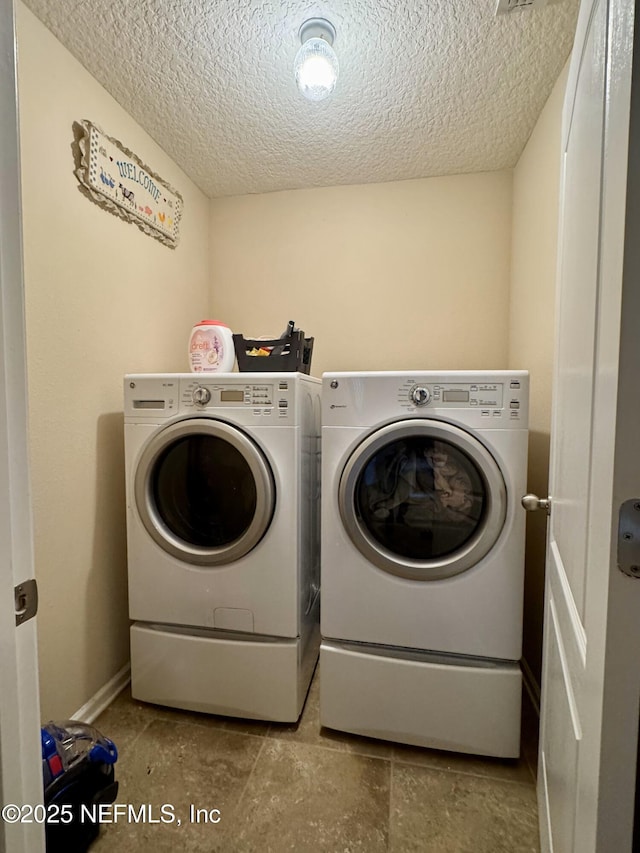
(302, 788)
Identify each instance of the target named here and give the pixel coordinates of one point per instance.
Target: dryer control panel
(492, 399)
(483, 399)
(455, 394)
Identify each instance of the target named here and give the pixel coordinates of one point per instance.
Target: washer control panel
(260, 399)
(244, 399)
(207, 393)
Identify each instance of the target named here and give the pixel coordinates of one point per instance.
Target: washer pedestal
(260, 678)
(464, 705)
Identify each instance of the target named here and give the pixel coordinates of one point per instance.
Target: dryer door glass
(204, 491)
(422, 499)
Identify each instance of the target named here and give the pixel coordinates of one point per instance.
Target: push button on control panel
(514, 404)
(261, 395)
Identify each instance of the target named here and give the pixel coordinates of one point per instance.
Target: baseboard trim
(531, 685)
(104, 697)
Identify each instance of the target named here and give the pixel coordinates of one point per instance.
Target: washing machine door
(204, 491)
(422, 499)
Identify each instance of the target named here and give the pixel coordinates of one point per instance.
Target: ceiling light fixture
(316, 64)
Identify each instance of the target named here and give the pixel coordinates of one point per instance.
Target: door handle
(532, 503)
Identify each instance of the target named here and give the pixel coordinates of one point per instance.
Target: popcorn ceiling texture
(426, 87)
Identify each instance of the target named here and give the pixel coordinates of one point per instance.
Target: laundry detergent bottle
(211, 347)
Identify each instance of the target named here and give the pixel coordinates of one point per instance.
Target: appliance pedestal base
(422, 699)
(251, 677)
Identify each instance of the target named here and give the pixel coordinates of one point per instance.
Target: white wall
(102, 299)
(412, 274)
(531, 328)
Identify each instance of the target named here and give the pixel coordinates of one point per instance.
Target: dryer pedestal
(260, 678)
(417, 698)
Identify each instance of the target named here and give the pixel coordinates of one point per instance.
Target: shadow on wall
(107, 601)
(538, 483)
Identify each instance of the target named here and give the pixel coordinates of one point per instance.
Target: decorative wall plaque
(117, 180)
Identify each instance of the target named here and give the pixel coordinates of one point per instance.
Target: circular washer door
(422, 499)
(204, 491)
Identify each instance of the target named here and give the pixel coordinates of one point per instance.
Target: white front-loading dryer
(222, 479)
(423, 556)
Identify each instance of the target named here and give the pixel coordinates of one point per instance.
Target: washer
(423, 556)
(222, 482)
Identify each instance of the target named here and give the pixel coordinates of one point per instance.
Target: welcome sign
(116, 179)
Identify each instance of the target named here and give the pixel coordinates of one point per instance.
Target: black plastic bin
(286, 354)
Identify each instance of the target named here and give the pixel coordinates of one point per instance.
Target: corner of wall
(536, 198)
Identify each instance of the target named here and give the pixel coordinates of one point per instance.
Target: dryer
(423, 556)
(222, 484)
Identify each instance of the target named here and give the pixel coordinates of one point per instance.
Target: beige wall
(531, 328)
(385, 276)
(420, 273)
(102, 299)
(442, 272)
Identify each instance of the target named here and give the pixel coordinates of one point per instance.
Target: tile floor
(302, 788)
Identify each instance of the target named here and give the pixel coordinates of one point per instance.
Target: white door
(591, 673)
(20, 759)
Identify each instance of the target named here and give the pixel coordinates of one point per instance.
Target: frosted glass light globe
(316, 69)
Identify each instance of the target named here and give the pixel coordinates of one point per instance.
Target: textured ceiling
(426, 87)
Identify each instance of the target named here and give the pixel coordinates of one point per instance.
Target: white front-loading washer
(222, 483)
(423, 556)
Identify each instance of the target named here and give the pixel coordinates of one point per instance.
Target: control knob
(201, 396)
(420, 395)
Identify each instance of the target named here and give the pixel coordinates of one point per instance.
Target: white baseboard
(104, 697)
